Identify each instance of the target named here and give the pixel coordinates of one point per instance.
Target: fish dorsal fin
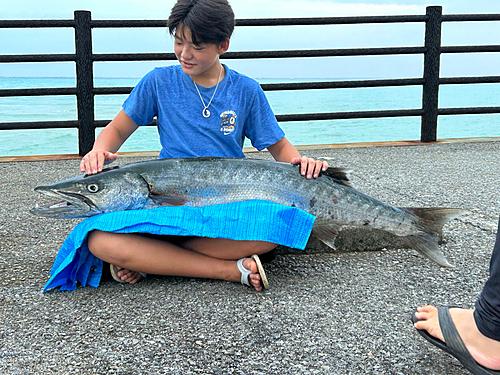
(327, 233)
(339, 174)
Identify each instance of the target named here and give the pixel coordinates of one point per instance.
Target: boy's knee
(96, 242)
(107, 246)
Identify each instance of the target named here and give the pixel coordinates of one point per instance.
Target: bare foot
(254, 278)
(484, 350)
(129, 276)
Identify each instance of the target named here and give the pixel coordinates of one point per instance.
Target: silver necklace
(206, 112)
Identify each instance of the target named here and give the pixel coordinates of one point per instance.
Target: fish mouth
(72, 206)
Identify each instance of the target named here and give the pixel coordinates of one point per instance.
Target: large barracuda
(205, 181)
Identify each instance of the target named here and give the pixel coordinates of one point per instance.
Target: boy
(203, 108)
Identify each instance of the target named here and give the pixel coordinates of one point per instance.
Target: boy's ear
(223, 47)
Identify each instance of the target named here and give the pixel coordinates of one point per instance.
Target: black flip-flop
(454, 344)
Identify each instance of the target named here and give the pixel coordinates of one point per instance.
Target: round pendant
(206, 113)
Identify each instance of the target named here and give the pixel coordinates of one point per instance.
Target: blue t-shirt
(239, 109)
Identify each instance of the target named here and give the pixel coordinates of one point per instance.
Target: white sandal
(245, 273)
(114, 273)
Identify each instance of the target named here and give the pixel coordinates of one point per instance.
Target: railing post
(430, 92)
(84, 81)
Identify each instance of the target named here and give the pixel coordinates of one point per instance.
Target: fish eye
(93, 188)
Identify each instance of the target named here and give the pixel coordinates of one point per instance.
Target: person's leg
(193, 257)
(479, 329)
(487, 311)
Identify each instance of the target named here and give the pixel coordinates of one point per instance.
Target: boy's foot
(123, 275)
(252, 273)
(485, 351)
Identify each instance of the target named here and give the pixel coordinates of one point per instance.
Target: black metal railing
(431, 80)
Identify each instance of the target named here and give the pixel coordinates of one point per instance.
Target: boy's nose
(186, 53)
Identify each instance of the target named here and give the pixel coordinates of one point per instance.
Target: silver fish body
(206, 181)
(196, 182)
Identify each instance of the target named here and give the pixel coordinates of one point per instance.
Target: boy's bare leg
(194, 257)
(484, 350)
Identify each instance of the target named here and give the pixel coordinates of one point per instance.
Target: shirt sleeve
(262, 129)
(141, 105)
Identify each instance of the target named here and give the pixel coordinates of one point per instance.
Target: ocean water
(64, 141)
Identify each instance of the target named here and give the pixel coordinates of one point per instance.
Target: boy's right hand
(93, 162)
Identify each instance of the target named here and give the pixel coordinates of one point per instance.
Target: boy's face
(197, 60)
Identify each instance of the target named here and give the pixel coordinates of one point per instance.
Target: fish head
(89, 195)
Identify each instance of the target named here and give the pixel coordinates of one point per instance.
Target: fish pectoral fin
(327, 233)
(167, 200)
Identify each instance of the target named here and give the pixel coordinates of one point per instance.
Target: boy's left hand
(310, 167)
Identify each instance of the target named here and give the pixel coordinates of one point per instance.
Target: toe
(426, 309)
(134, 278)
(250, 264)
(422, 315)
(129, 276)
(254, 278)
(256, 284)
(123, 274)
(429, 321)
(421, 324)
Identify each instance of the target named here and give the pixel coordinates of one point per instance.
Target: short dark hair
(210, 21)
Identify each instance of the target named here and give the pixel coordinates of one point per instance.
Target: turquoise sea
(64, 141)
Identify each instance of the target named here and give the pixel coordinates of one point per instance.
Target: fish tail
(432, 221)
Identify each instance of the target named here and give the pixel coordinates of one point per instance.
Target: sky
(35, 41)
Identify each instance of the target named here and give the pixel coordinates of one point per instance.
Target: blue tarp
(251, 220)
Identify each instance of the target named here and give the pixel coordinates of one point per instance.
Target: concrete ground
(325, 313)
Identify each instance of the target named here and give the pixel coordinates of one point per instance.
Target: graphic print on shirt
(228, 122)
